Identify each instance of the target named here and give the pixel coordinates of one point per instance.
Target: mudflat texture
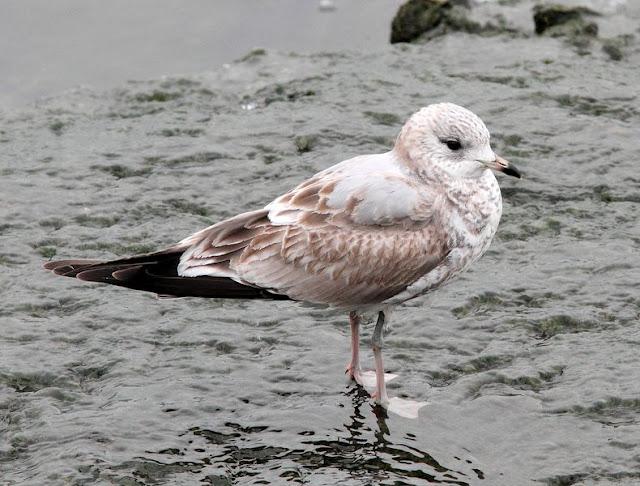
(529, 362)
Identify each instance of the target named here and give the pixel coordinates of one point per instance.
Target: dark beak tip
(513, 172)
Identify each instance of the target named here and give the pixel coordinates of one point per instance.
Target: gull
(362, 236)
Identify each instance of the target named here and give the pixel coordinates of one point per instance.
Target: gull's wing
(355, 234)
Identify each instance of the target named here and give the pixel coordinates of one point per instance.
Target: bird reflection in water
(379, 458)
(360, 451)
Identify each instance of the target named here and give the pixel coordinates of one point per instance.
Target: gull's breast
(471, 216)
(475, 215)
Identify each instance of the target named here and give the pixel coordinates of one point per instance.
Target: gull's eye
(453, 144)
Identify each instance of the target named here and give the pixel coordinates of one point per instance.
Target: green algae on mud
(551, 326)
(120, 171)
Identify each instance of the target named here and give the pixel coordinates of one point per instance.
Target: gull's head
(452, 139)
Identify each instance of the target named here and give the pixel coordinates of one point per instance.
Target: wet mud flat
(529, 362)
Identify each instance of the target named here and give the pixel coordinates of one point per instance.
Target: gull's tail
(157, 272)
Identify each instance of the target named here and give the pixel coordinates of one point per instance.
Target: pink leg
(400, 406)
(353, 368)
(381, 388)
(367, 379)
(380, 394)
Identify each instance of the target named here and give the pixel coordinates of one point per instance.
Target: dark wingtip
(63, 270)
(64, 267)
(50, 265)
(126, 273)
(92, 275)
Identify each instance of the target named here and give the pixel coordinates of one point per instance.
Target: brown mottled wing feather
(342, 268)
(302, 247)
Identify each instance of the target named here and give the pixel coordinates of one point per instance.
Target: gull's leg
(400, 406)
(353, 369)
(363, 378)
(380, 394)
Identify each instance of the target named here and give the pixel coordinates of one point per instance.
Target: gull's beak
(503, 165)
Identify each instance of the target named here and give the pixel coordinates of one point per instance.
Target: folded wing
(343, 237)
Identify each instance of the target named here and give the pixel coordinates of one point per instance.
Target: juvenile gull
(364, 235)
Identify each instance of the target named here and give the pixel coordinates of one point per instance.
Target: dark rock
(560, 20)
(613, 50)
(614, 47)
(417, 17)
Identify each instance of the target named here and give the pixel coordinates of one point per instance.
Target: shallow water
(529, 362)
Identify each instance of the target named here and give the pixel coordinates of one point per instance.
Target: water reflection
(364, 450)
(379, 457)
